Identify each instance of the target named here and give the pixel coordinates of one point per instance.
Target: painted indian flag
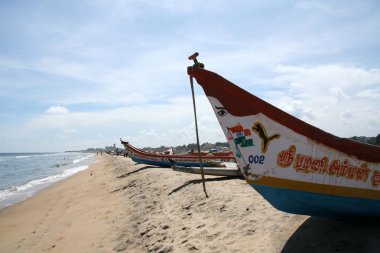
(241, 136)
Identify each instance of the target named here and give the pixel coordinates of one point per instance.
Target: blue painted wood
(169, 164)
(315, 204)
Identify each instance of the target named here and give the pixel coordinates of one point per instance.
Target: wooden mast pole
(197, 64)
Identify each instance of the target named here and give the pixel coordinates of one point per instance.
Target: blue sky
(80, 74)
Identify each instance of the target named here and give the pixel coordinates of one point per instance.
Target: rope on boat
(196, 131)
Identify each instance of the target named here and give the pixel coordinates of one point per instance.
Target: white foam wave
(51, 154)
(82, 158)
(51, 179)
(22, 156)
(4, 158)
(28, 189)
(7, 192)
(30, 155)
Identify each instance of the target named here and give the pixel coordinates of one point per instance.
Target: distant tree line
(208, 145)
(369, 140)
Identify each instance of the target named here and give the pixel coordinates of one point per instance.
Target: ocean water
(23, 174)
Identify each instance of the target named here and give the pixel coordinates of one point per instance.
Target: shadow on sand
(138, 170)
(335, 235)
(199, 181)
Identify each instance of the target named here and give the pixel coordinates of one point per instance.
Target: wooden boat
(226, 172)
(295, 166)
(164, 160)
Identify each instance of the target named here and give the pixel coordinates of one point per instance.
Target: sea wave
(17, 193)
(82, 158)
(51, 179)
(7, 156)
(22, 156)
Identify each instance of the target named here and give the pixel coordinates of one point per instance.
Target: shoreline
(46, 188)
(57, 217)
(27, 179)
(118, 206)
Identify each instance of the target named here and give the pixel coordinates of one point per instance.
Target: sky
(85, 73)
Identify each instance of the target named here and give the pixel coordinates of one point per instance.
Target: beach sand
(118, 206)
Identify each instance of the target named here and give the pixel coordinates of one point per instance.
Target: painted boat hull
(208, 160)
(164, 163)
(296, 167)
(209, 171)
(316, 204)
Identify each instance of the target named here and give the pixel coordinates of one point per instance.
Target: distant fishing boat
(295, 166)
(168, 160)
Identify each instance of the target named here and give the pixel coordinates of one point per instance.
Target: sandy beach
(119, 206)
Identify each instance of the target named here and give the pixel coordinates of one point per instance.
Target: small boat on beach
(226, 172)
(168, 160)
(295, 166)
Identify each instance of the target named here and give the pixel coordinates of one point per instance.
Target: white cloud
(337, 95)
(338, 99)
(57, 110)
(70, 131)
(320, 7)
(66, 134)
(369, 93)
(170, 123)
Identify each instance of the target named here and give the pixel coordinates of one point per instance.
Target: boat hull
(298, 168)
(226, 172)
(163, 160)
(316, 204)
(168, 163)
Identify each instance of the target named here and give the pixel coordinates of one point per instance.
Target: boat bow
(239, 102)
(297, 167)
